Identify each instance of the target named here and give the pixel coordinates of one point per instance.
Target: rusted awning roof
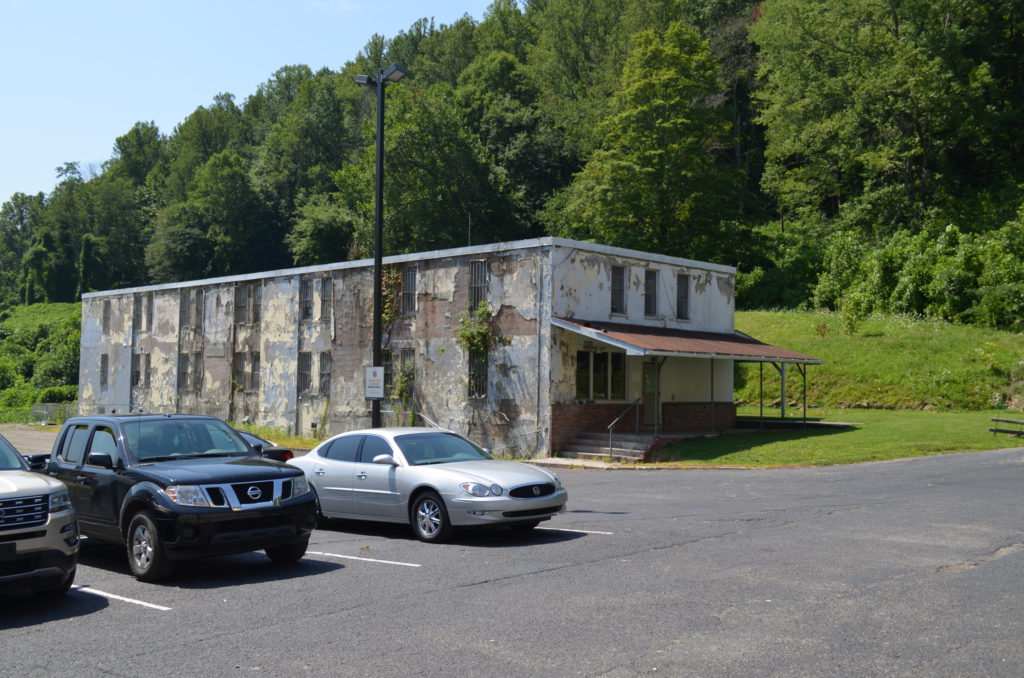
(663, 341)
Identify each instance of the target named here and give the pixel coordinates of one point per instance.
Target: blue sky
(76, 74)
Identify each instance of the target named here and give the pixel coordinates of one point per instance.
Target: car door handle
(318, 471)
(82, 478)
(361, 475)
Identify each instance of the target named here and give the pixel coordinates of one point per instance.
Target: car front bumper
(465, 510)
(40, 557)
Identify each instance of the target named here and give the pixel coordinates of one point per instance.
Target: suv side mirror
(100, 459)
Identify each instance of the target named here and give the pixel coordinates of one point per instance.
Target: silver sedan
(432, 479)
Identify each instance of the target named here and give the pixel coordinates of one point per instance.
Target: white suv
(38, 531)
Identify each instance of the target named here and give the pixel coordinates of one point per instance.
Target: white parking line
(561, 529)
(113, 596)
(368, 560)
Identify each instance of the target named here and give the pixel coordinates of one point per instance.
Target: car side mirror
(100, 459)
(385, 459)
(258, 448)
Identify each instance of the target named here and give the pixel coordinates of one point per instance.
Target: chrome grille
(24, 511)
(254, 493)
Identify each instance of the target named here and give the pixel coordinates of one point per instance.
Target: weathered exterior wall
(582, 289)
(530, 367)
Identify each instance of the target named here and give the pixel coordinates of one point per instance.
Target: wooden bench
(1013, 432)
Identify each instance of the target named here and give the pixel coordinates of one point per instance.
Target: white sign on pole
(374, 383)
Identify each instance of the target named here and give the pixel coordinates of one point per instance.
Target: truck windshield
(154, 440)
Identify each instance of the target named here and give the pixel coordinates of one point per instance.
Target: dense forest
(853, 155)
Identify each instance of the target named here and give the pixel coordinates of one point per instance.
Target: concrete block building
(578, 334)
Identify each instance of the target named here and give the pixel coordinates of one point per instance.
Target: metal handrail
(611, 426)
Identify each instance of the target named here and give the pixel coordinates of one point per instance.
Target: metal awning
(644, 340)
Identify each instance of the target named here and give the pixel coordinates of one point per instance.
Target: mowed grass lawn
(873, 435)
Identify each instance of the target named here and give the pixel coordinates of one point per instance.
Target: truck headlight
(60, 501)
(186, 495)
(300, 486)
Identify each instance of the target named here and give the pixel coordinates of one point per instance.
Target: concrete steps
(626, 447)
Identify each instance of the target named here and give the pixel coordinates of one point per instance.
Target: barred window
(306, 299)
(241, 304)
(254, 370)
(197, 371)
(477, 374)
(104, 371)
(140, 370)
(326, 363)
(106, 316)
(200, 309)
(238, 372)
(389, 372)
(149, 311)
(683, 296)
(137, 313)
(618, 289)
(407, 361)
(650, 293)
(326, 298)
(409, 290)
(477, 284)
(183, 372)
(255, 299)
(305, 372)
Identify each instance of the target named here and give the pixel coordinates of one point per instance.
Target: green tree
(658, 181)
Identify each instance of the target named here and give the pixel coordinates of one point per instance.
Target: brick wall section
(570, 419)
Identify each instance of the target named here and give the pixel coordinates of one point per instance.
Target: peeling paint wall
(530, 366)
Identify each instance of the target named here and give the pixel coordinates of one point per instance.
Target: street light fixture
(392, 73)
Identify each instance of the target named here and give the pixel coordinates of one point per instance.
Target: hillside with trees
(845, 155)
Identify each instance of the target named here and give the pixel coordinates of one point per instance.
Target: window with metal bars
(105, 322)
(477, 284)
(326, 363)
(254, 371)
(104, 371)
(140, 370)
(305, 372)
(197, 371)
(477, 374)
(326, 298)
(306, 299)
(409, 290)
(183, 372)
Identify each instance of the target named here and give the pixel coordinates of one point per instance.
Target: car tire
(286, 554)
(146, 555)
(60, 589)
(429, 519)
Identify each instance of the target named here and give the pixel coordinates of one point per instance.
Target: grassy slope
(890, 362)
(900, 364)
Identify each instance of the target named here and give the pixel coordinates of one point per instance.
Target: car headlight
(300, 486)
(186, 495)
(478, 490)
(556, 479)
(60, 501)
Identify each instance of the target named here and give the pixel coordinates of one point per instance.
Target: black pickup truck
(173, 487)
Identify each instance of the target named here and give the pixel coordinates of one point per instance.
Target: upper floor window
(683, 296)
(142, 312)
(618, 289)
(477, 284)
(650, 293)
(248, 298)
(104, 371)
(305, 372)
(191, 308)
(306, 299)
(140, 370)
(106, 316)
(409, 290)
(326, 298)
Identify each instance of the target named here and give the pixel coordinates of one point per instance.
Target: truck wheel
(146, 554)
(287, 554)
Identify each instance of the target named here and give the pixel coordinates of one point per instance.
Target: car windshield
(162, 439)
(421, 449)
(10, 460)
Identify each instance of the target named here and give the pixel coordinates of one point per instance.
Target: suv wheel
(146, 554)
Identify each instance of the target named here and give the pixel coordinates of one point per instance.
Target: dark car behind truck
(175, 487)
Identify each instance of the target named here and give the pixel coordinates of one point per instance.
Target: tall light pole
(392, 73)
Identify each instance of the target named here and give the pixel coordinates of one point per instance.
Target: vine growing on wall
(391, 284)
(474, 332)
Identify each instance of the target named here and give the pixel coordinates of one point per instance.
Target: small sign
(374, 383)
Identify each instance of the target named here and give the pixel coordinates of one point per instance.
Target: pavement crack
(1000, 552)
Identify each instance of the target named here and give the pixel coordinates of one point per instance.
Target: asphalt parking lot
(891, 569)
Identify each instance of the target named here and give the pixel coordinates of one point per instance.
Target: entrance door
(650, 393)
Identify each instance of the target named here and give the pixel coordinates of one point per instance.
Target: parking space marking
(368, 560)
(562, 529)
(114, 596)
